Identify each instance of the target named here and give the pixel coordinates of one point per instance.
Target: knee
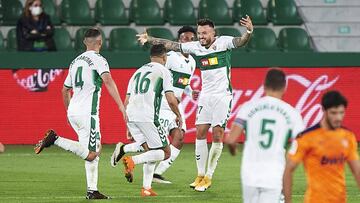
(178, 138)
(167, 152)
(201, 131)
(218, 134)
(92, 156)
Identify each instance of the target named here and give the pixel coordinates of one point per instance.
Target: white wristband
(248, 31)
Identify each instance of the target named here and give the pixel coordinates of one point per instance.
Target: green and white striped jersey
(145, 92)
(84, 78)
(215, 64)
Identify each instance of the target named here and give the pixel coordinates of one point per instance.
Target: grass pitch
(59, 176)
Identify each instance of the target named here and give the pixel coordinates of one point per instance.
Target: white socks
(73, 146)
(214, 155)
(164, 165)
(133, 147)
(149, 156)
(148, 173)
(201, 155)
(91, 168)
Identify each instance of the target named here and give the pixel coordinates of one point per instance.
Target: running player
(214, 106)
(269, 123)
(87, 72)
(182, 67)
(324, 149)
(143, 102)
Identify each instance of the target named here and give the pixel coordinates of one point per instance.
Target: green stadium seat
(179, 12)
(229, 31)
(160, 33)
(263, 39)
(11, 41)
(283, 12)
(2, 44)
(146, 12)
(216, 10)
(62, 40)
(11, 11)
(79, 40)
(76, 12)
(252, 8)
(50, 9)
(294, 39)
(111, 12)
(123, 39)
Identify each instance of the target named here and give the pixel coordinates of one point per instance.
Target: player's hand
(195, 94)
(246, 22)
(143, 37)
(233, 149)
(179, 122)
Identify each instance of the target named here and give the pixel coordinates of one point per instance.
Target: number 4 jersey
(84, 78)
(269, 123)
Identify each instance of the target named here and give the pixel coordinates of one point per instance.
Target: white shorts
(261, 195)
(88, 130)
(168, 120)
(142, 132)
(214, 110)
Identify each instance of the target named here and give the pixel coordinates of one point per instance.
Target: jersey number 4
(266, 131)
(78, 77)
(142, 85)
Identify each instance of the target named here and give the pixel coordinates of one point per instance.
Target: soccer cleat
(47, 141)
(96, 195)
(160, 179)
(129, 168)
(147, 192)
(117, 154)
(204, 184)
(197, 181)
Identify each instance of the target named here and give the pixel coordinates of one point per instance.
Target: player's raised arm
(169, 45)
(241, 41)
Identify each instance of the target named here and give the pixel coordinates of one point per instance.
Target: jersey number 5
(142, 85)
(265, 131)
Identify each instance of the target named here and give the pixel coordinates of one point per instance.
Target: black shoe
(96, 195)
(160, 179)
(47, 141)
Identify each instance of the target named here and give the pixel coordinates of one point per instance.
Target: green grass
(59, 176)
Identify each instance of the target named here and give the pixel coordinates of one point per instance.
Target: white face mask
(35, 11)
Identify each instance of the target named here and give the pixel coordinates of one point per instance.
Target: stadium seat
(263, 39)
(123, 39)
(216, 10)
(294, 39)
(146, 12)
(76, 12)
(283, 12)
(160, 33)
(111, 12)
(229, 31)
(2, 44)
(252, 8)
(179, 12)
(50, 9)
(79, 38)
(62, 40)
(11, 44)
(11, 11)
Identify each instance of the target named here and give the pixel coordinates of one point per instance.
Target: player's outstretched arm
(173, 103)
(355, 169)
(169, 45)
(288, 179)
(241, 41)
(66, 94)
(113, 91)
(235, 132)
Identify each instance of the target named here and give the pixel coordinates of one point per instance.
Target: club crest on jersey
(209, 61)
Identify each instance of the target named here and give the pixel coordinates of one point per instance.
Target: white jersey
(84, 78)
(145, 90)
(182, 69)
(269, 123)
(215, 64)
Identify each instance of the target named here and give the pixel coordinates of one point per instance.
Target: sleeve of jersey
(228, 42)
(353, 154)
(102, 66)
(299, 126)
(67, 82)
(167, 81)
(188, 47)
(240, 119)
(298, 150)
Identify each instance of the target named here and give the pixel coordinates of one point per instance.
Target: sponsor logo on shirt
(333, 160)
(209, 61)
(183, 81)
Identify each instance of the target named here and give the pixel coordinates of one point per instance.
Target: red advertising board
(31, 100)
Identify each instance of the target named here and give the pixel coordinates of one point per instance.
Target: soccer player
(86, 74)
(324, 149)
(269, 123)
(143, 103)
(214, 106)
(182, 67)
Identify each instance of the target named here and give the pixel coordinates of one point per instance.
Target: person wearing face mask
(34, 29)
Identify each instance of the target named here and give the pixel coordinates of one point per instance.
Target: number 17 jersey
(269, 123)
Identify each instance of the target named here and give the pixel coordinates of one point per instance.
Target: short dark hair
(206, 21)
(186, 28)
(157, 50)
(91, 33)
(333, 99)
(275, 79)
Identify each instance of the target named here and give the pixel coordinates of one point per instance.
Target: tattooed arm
(241, 41)
(169, 45)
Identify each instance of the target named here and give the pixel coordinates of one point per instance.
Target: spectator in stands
(34, 29)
